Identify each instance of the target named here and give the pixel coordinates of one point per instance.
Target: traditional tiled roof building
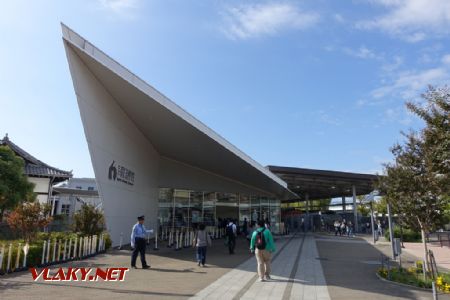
(42, 175)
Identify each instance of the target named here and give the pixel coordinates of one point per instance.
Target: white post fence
(19, 250)
(26, 248)
(8, 264)
(2, 254)
(56, 251)
(43, 252)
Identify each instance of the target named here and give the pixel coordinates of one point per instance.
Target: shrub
(409, 235)
(27, 218)
(89, 221)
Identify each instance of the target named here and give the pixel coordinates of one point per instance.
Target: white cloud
(411, 20)
(394, 65)
(339, 18)
(409, 84)
(122, 8)
(446, 59)
(251, 21)
(362, 52)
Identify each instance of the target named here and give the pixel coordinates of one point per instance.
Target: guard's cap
(141, 217)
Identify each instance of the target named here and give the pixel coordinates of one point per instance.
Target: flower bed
(414, 276)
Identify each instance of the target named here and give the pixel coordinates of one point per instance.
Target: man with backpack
(263, 246)
(231, 232)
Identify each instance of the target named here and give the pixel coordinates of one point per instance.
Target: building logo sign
(120, 173)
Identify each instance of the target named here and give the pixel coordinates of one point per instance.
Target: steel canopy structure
(323, 184)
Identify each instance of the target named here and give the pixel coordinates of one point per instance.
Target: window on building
(65, 209)
(91, 188)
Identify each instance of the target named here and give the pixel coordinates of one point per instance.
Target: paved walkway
(441, 254)
(296, 274)
(304, 267)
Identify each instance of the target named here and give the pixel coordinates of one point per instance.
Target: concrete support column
(306, 221)
(355, 209)
(343, 203)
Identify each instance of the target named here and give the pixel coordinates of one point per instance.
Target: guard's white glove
(132, 245)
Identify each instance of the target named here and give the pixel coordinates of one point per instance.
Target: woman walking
(201, 241)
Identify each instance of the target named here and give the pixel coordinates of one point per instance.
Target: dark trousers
(201, 254)
(231, 243)
(139, 249)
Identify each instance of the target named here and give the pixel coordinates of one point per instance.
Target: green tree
(89, 220)
(416, 184)
(363, 208)
(14, 185)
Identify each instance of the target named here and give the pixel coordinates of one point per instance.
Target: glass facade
(184, 208)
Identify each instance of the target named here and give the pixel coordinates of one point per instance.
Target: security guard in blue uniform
(138, 234)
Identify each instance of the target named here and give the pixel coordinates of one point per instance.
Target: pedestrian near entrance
(379, 229)
(138, 234)
(263, 246)
(231, 231)
(201, 240)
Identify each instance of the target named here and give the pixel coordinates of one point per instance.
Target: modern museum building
(150, 157)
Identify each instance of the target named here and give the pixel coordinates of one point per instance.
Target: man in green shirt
(263, 246)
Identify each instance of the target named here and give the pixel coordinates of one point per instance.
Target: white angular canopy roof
(173, 132)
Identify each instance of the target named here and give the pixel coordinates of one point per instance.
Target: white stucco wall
(41, 186)
(112, 136)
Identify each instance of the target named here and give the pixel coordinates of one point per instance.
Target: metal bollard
(156, 241)
(177, 239)
(433, 287)
(170, 240)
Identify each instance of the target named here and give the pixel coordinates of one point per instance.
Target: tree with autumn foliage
(29, 218)
(417, 183)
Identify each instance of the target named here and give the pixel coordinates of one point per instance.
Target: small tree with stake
(417, 183)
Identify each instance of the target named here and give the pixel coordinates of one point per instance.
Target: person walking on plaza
(337, 227)
(263, 246)
(343, 227)
(201, 241)
(231, 231)
(245, 227)
(138, 234)
(379, 229)
(350, 229)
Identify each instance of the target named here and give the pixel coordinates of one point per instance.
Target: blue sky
(314, 84)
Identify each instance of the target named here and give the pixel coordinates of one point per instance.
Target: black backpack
(229, 230)
(260, 240)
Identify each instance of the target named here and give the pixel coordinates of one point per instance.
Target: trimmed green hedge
(409, 235)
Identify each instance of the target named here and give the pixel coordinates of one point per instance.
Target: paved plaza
(305, 266)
